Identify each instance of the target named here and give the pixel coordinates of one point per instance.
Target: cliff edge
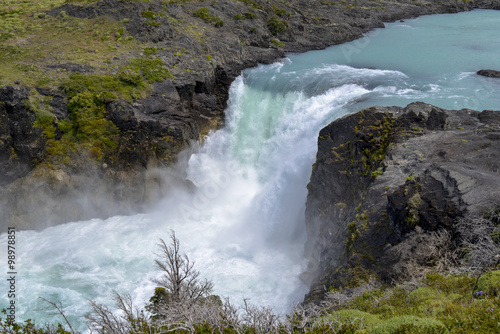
(389, 183)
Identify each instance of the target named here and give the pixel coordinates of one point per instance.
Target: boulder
(489, 73)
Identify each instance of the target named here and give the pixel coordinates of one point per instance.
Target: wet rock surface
(489, 73)
(21, 143)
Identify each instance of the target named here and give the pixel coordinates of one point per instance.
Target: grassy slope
(30, 40)
(456, 302)
(33, 45)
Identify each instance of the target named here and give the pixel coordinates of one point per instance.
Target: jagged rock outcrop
(387, 176)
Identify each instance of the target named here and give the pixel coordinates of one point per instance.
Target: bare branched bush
(477, 240)
(302, 316)
(261, 319)
(126, 320)
(179, 278)
(182, 303)
(420, 253)
(60, 311)
(336, 298)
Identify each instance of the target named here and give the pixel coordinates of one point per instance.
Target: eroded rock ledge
(386, 177)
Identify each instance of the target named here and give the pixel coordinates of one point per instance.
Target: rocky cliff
(387, 180)
(97, 95)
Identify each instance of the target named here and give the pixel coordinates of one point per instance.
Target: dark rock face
(386, 172)
(59, 103)
(36, 195)
(21, 144)
(489, 73)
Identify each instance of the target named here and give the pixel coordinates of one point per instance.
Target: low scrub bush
(410, 324)
(277, 26)
(489, 284)
(203, 14)
(355, 319)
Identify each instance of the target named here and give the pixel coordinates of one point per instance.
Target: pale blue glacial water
(244, 222)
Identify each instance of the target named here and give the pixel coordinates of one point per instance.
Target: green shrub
(422, 294)
(88, 129)
(276, 26)
(277, 43)
(244, 16)
(248, 15)
(45, 120)
(280, 11)
(151, 18)
(410, 324)
(64, 126)
(252, 4)
(218, 22)
(489, 284)
(148, 51)
(152, 69)
(452, 284)
(203, 14)
(89, 124)
(108, 87)
(149, 15)
(130, 77)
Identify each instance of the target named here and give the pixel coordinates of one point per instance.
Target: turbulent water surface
(243, 220)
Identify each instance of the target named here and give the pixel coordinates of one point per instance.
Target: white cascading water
(242, 220)
(241, 215)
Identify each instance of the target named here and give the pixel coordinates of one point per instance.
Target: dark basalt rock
(489, 73)
(59, 102)
(387, 176)
(21, 144)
